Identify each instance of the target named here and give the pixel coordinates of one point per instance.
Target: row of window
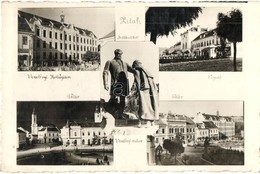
(67, 46)
(83, 134)
(206, 43)
(225, 124)
(62, 56)
(213, 131)
(51, 134)
(66, 37)
(172, 130)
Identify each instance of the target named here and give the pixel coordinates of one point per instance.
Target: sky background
(100, 21)
(191, 108)
(207, 19)
(56, 113)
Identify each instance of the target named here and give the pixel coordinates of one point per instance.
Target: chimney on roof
(217, 113)
(62, 18)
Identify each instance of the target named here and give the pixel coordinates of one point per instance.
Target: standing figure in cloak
(118, 84)
(145, 92)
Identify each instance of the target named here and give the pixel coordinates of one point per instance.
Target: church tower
(34, 126)
(97, 115)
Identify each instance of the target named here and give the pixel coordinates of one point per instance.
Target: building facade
(56, 42)
(172, 124)
(43, 133)
(188, 36)
(25, 43)
(48, 134)
(225, 124)
(21, 138)
(86, 133)
(206, 45)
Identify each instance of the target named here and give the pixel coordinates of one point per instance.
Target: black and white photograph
(130, 84)
(63, 133)
(198, 133)
(197, 38)
(62, 39)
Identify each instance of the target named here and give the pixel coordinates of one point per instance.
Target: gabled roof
(213, 117)
(216, 117)
(178, 43)
(43, 129)
(49, 129)
(210, 125)
(56, 24)
(85, 124)
(189, 120)
(23, 26)
(205, 34)
(20, 131)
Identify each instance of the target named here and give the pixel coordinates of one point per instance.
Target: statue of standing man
(118, 84)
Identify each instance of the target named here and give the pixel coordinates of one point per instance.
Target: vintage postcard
(130, 86)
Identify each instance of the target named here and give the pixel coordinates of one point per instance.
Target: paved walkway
(41, 148)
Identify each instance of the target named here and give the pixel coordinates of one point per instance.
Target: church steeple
(34, 126)
(97, 115)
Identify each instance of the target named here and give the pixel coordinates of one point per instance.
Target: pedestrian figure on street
(97, 161)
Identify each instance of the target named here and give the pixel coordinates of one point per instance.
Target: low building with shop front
(87, 133)
(225, 124)
(25, 44)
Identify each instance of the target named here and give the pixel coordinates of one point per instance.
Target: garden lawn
(203, 65)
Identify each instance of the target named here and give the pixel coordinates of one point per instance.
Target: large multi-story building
(57, 42)
(172, 124)
(206, 44)
(48, 134)
(188, 36)
(225, 124)
(195, 128)
(207, 129)
(86, 133)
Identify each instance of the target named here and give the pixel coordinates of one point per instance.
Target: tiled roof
(43, 129)
(205, 34)
(209, 125)
(189, 120)
(20, 131)
(49, 129)
(23, 25)
(216, 117)
(213, 117)
(85, 124)
(178, 43)
(176, 117)
(56, 24)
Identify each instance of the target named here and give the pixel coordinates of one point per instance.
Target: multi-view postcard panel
(63, 133)
(183, 132)
(57, 39)
(198, 133)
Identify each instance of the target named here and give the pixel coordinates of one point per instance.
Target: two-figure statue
(139, 103)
